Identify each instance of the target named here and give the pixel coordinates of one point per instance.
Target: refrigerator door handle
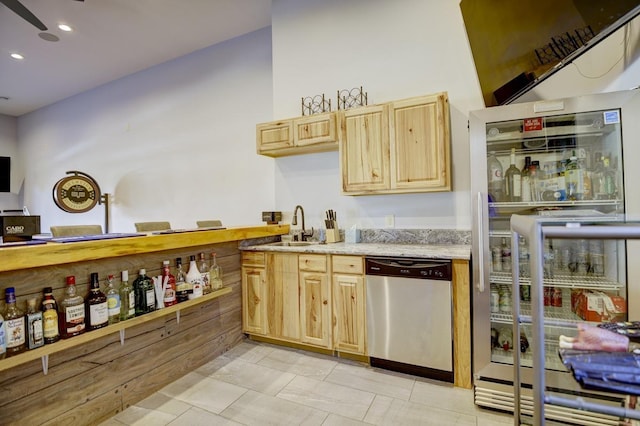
(480, 218)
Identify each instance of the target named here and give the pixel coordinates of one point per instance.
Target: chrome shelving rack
(536, 229)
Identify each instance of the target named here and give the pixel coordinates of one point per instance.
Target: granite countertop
(434, 251)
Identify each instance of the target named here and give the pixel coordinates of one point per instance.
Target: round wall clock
(77, 193)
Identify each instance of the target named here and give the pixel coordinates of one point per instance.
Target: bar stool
(75, 230)
(152, 226)
(209, 223)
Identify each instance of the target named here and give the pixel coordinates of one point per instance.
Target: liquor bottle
(96, 305)
(586, 180)
(523, 261)
(170, 289)
(574, 180)
(50, 326)
(608, 180)
(182, 288)
(145, 293)
(14, 324)
(526, 180)
(127, 298)
(113, 301)
(205, 278)
(535, 175)
(215, 273)
(194, 279)
(3, 340)
(35, 336)
(495, 178)
(72, 318)
(597, 176)
(513, 178)
(506, 256)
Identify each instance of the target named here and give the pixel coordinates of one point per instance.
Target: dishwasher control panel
(428, 269)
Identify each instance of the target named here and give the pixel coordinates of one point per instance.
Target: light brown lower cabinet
(283, 296)
(254, 293)
(349, 326)
(315, 300)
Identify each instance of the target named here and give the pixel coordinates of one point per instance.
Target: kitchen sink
(294, 243)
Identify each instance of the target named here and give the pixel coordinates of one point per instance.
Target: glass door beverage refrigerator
(573, 158)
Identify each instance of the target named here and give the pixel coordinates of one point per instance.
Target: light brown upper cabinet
(398, 147)
(364, 149)
(304, 135)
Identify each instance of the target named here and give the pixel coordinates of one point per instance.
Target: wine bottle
(127, 298)
(3, 339)
(113, 301)
(145, 293)
(215, 273)
(96, 305)
(574, 180)
(72, 318)
(50, 326)
(14, 324)
(35, 336)
(495, 178)
(513, 178)
(205, 278)
(182, 288)
(526, 180)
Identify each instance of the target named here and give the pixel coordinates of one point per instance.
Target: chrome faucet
(303, 233)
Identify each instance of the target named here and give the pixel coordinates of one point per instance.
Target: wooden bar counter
(94, 376)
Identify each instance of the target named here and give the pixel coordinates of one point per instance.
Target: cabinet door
(274, 136)
(364, 149)
(254, 300)
(420, 144)
(349, 313)
(315, 308)
(318, 129)
(283, 305)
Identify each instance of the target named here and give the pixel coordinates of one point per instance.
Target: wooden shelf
(17, 258)
(43, 352)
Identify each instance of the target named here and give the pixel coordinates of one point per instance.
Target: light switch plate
(389, 221)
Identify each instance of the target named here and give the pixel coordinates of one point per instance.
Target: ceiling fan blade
(24, 13)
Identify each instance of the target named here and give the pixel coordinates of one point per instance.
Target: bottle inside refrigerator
(569, 154)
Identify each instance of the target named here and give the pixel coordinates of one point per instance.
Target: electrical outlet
(389, 221)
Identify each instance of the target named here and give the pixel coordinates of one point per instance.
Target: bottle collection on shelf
(571, 179)
(563, 260)
(74, 315)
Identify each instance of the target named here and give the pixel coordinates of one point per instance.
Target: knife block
(333, 235)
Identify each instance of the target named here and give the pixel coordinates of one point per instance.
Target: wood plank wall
(90, 383)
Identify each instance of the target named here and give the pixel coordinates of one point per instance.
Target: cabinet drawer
(253, 258)
(348, 264)
(312, 263)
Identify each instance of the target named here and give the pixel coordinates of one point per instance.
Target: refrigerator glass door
(578, 152)
(554, 166)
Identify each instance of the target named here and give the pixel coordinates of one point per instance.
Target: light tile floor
(262, 384)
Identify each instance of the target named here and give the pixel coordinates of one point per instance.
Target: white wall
(175, 142)
(395, 50)
(9, 148)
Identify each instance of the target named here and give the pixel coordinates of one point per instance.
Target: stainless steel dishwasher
(410, 316)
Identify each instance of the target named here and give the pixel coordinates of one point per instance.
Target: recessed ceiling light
(17, 56)
(65, 27)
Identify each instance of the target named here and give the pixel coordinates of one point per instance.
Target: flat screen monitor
(5, 174)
